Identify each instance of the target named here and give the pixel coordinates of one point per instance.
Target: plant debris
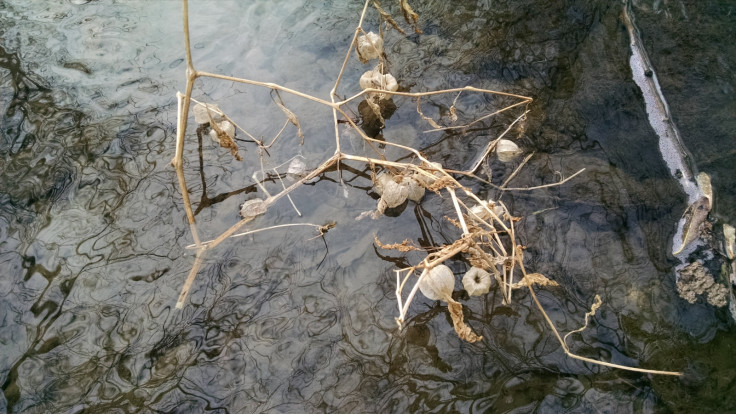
(488, 239)
(369, 47)
(593, 309)
(694, 280)
(697, 213)
(405, 246)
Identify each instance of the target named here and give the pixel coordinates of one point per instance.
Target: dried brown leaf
(463, 330)
(534, 279)
(226, 141)
(409, 15)
(453, 113)
(695, 217)
(426, 118)
(290, 115)
(405, 246)
(387, 17)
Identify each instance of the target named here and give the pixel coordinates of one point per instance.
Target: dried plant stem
(582, 358)
(516, 171)
(206, 244)
(506, 108)
(299, 213)
(460, 217)
(537, 187)
(543, 186)
(199, 258)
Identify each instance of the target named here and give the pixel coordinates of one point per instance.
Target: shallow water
(93, 229)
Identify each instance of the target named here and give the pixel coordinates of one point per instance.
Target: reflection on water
(92, 229)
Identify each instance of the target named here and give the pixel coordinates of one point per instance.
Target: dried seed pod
(394, 194)
(252, 208)
(381, 181)
(370, 46)
(438, 284)
(483, 214)
(415, 190)
(425, 180)
(375, 80)
(477, 281)
(507, 150)
(200, 113)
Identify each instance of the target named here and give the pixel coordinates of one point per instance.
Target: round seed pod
(415, 191)
(427, 181)
(507, 150)
(375, 80)
(394, 194)
(381, 181)
(477, 281)
(483, 214)
(252, 208)
(438, 284)
(370, 46)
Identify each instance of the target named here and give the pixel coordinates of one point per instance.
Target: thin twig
(207, 243)
(287, 195)
(516, 171)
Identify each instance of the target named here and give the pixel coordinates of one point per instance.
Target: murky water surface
(93, 229)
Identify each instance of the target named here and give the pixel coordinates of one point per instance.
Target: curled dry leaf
(438, 283)
(507, 150)
(696, 214)
(593, 309)
(224, 132)
(477, 281)
(534, 279)
(386, 16)
(426, 118)
(694, 218)
(458, 321)
(290, 115)
(410, 16)
(370, 46)
(481, 211)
